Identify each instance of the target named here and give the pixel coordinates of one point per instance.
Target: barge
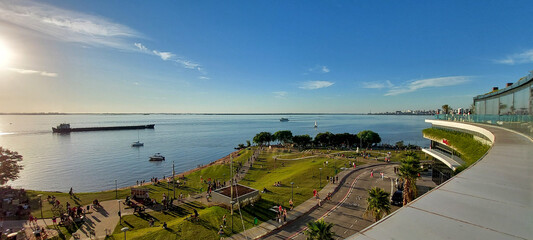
(65, 128)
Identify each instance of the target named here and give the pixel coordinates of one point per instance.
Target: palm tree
(378, 203)
(408, 172)
(446, 108)
(319, 230)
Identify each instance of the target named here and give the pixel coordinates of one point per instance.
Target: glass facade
(440, 172)
(511, 107)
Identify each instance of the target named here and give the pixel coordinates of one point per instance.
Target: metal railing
(519, 123)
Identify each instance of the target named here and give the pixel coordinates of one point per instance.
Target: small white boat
(316, 125)
(157, 157)
(138, 143)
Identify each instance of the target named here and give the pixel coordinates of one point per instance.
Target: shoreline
(216, 162)
(182, 174)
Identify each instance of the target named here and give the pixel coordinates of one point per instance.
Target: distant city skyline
(258, 57)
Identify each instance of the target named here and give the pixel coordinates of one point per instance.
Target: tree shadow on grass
(261, 210)
(124, 222)
(177, 211)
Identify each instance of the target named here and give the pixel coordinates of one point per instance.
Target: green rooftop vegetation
(469, 149)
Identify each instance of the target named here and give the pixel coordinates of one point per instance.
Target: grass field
(307, 174)
(192, 185)
(304, 173)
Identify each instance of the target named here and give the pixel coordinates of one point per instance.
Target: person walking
(291, 204)
(371, 173)
(224, 220)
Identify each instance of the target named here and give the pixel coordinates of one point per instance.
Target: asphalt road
(346, 207)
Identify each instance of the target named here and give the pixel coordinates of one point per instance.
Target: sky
(258, 56)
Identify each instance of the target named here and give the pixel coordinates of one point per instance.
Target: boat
(138, 143)
(316, 125)
(283, 119)
(157, 157)
(65, 128)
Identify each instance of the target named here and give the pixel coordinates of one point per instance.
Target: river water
(92, 161)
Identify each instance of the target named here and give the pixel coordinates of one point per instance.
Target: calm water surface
(92, 161)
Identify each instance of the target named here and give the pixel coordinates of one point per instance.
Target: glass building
(510, 107)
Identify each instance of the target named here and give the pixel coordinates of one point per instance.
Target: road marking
(391, 188)
(351, 226)
(335, 207)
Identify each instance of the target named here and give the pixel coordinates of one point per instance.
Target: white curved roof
(492, 199)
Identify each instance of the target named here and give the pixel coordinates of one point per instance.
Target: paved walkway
(302, 211)
(491, 199)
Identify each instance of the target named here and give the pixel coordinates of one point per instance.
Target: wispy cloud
(316, 84)
(141, 47)
(203, 77)
(66, 25)
(518, 58)
(319, 69)
(169, 56)
(163, 55)
(280, 94)
(29, 71)
(378, 85)
(71, 26)
(427, 83)
(188, 64)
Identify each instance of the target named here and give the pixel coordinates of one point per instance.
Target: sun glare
(5, 55)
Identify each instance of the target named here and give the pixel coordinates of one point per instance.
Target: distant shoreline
(220, 114)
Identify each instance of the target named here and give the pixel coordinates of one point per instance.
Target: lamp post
(120, 215)
(124, 229)
(41, 204)
(320, 179)
(292, 191)
(116, 189)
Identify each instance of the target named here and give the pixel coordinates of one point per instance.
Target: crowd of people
(14, 203)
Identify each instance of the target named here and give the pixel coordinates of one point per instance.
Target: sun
(5, 55)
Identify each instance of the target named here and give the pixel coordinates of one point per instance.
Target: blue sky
(258, 56)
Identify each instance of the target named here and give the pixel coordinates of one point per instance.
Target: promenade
(492, 199)
(347, 204)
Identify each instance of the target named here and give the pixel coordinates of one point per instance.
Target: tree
(446, 108)
(378, 203)
(343, 139)
(324, 139)
(369, 138)
(400, 145)
(284, 136)
(302, 140)
(262, 138)
(408, 172)
(319, 230)
(9, 165)
(248, 143)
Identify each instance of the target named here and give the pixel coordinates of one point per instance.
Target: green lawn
(304, 173)
(178, 227)
(192, 186)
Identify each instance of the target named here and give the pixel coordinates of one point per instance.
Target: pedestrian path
(298, 211)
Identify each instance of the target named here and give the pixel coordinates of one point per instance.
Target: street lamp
(320, 179)
(292, 191)
(119, 214)
(41, 204)
(124, 229)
